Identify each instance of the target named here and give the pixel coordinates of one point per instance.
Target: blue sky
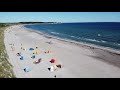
(60, 16)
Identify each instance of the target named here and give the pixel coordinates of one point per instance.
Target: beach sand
(78, 61)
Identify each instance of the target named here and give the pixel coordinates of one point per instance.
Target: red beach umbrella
(52, 60)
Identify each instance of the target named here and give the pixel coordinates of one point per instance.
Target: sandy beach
(77, 61)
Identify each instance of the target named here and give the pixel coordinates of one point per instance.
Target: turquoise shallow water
(103, 34)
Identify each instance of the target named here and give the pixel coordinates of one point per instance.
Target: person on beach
(13, 49)
(18, 54)
(55, 76)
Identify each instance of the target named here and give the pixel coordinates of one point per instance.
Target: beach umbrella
(26, 69)
(52, 68)
(33, 56)
(52, 60)
(22, 58)
(31, 49)
(35, 52)
(18, 54)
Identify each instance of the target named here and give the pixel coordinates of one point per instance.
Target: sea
(105, 34)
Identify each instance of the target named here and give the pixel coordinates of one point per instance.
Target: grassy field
(5, 67)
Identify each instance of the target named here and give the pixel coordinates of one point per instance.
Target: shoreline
(92, 47)
(108, 49)
(78, 60)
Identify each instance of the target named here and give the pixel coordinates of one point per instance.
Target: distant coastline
(14, 23)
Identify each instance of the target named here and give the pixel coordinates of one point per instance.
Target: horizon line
(59, 22)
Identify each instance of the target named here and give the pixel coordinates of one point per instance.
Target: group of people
(53, 66)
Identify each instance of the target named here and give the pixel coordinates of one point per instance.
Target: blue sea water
(105, 34)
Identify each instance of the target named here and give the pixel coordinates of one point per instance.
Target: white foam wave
(55, 33)
(72, 36)
(103, 41)
(119, 44)
(99, 35)
(92, 40)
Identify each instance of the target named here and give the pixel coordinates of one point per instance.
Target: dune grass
(6, 69)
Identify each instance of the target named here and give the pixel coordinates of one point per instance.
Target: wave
(99, 35)
(118, 44)
(72, 36)
(54, 33)
(103, 41)
(93, 40)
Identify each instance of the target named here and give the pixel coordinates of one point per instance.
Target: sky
(60, 16)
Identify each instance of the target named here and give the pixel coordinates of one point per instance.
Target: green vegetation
(33, 22)
(5, 67)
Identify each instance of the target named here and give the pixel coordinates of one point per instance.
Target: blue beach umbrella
(31, 49)
(21, 58)
(26, 69)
